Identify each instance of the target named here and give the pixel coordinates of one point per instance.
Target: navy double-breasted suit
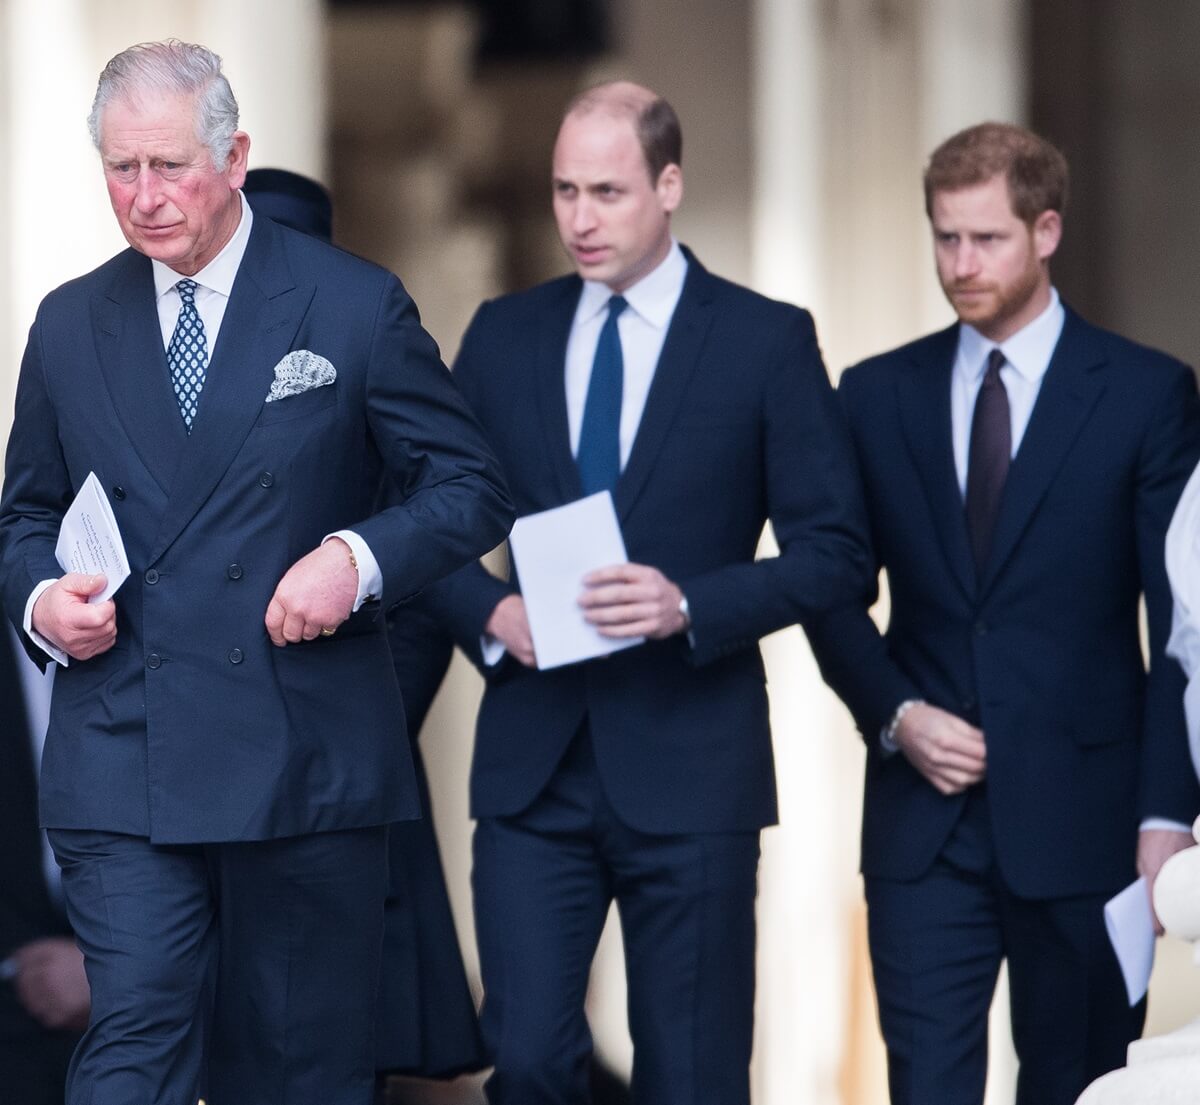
(1040, 649)
(667, 744)
(193, 729)
(152, 737)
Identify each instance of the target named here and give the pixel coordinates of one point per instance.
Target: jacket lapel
(1067, 396)
(264, 312)
(924, 401)
(129, 346)
(676, 365)
(553, 334)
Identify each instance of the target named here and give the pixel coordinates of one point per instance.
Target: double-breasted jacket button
(234, 571)
(151, 576)
(118, 491)
(154, 661)
(266, 479)
(235, 656)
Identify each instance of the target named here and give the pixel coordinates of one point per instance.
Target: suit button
(154, 661)
(151, 576)
(234, 571)
(118, 492)
(266, 479)
(235, 656)
(981, 628)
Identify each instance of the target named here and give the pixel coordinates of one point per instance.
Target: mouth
(589, 255)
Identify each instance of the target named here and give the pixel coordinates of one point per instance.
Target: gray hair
(173, 68)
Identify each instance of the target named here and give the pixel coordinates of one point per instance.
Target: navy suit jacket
(740, 425)
(193, 727)
(1042, 649)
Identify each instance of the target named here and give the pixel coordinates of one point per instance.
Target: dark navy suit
(646, 776)
(1041, 650)
(193, 729)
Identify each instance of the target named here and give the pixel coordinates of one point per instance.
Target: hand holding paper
(75, 614)
(553, 552)
(632, 600)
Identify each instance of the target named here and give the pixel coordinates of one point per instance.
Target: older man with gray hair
(225, 743)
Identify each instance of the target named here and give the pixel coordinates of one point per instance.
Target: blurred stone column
(849, 98)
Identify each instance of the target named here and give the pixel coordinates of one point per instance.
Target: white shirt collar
(653, 297)
(218, 275)
(1028, 351)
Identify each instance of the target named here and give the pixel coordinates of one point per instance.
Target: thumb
(79, 584)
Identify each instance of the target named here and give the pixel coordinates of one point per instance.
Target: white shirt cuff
(492, 648)
(1164, 823)
(370, 578)
(50, 650)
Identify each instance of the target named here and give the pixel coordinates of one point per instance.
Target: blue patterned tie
(187, 355)
(599, 456)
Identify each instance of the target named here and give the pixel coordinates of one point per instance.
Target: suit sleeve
(37, 490)
(815, 506)
(452, 504)
(850, 651)
(1168, 780)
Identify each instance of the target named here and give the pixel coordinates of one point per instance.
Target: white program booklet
(553, 551)
(89, 540)
(1130, 925)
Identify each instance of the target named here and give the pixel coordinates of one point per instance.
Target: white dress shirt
(643, 329)
(1026, 357)
(214, 283)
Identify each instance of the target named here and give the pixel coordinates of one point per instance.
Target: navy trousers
(246, 970)
(543, 883)
(936, 947)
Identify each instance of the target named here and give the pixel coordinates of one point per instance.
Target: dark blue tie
(599, 456)
(187, 353)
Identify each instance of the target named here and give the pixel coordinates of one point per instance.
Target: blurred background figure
(44, 998)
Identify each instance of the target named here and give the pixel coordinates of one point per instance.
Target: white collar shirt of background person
(36, 687)
(643, 328)
(1026, 357)
(1183, 570)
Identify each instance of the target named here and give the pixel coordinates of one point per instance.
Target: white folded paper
(1130, 924)
(553, 551)
(89, 540)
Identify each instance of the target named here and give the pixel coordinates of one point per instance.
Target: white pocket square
(300, 371)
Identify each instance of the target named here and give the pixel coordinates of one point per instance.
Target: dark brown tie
(988, 459)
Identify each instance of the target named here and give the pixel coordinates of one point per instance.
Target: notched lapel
(265, 311)
(133, 362)
(923, 394)
(676, 365)
(1068, 394)
(553, 334)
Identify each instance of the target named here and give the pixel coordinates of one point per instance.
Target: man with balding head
(643, 778)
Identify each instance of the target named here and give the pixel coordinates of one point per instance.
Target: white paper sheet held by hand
(553, 551)
(89, 540)
(1130, 925)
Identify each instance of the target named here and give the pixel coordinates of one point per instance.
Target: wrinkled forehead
(143, 110)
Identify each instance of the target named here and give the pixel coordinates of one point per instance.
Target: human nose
(966, 261)
(583, 217)
(147, 194)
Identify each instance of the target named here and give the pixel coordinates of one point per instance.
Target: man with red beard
(1020, 470)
